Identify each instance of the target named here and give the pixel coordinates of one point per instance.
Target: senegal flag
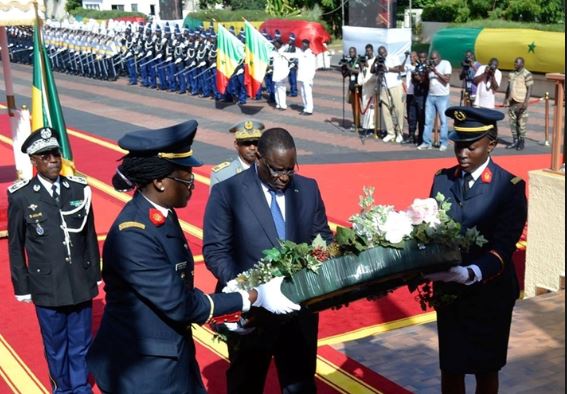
(256, 58)
(230, 52)
(46, 108)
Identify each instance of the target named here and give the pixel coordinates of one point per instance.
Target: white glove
(270, 297)
(239, 327)
(458, 274)
(24, 298)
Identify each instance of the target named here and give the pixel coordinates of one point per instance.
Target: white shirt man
(391, 96)
(306, 68)
(279, 74)
(487, 81)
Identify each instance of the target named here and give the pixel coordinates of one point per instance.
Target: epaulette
(515, 180)
(18, 185)
(126, 225)
(78, 179)
(439, 172)
(220, 166)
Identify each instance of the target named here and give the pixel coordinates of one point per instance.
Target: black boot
(513, 145)
(520, 145)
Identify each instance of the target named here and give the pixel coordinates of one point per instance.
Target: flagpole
(10, 99)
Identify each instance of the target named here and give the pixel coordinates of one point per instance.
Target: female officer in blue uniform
(474, 329)
(144, 343)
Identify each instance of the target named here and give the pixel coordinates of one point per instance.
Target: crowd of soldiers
(173, 59)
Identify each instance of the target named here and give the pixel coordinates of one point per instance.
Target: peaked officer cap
(291, 36)
(170, 143)
(247, 130)
(471, 124)
(41, 140)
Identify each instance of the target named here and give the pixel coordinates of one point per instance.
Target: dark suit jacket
(474, 330)
(52, 276)
(144, 344)
(238, 223)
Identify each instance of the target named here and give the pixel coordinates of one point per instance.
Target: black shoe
(520, 145)
(513, 145)
(409, 140)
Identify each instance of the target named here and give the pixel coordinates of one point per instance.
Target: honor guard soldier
(246, 136)
(474, 327)
(55, 260)
(292, 48)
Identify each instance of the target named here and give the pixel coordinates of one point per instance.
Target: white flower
(424, 211)
(398, 225)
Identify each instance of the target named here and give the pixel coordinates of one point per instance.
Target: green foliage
(281, 8)
(96, 14)
(248, 4)
(70, 5)
(229, 15)
(446, 11)
(522, 10)
(503, 24)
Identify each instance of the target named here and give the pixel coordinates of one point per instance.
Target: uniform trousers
(519, 122)
(67, 335)
(280, 94)
(306, 91)
(416, 116)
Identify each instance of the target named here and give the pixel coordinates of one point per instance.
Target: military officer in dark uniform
(246, 136)
(54, 259)
(144, 344)
(474, 329)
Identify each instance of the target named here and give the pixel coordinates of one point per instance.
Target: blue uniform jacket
(144, 344)
(239, 226)
(474, 328)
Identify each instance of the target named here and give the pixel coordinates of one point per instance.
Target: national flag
(230, 52)
(256, 58)
(46, 109)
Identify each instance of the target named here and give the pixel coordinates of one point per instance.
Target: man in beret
(54, 259)
(474, 328)
(246, 136)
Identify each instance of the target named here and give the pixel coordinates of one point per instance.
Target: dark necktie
(466, 186)
(54, 193)
(277, 216)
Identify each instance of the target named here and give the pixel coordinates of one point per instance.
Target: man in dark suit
(245, 215)
(54, 259)
(474, 328)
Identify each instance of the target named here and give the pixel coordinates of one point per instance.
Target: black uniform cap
(471, 124)
(170, 143)
(41, 140)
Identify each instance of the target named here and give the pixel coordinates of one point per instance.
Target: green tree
(72, 4)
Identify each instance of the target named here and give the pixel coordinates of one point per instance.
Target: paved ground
(536, 356)
(407, 356)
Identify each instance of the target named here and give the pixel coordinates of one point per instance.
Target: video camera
(467, 62)
(379, 65)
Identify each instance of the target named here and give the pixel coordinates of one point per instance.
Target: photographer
(468, 71)
(388, 70)
(350, 68)
(417, 87)
(487, 80)
(437, 100)
(368, 82)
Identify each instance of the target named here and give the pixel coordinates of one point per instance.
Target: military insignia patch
(66, 184)
(486, 175)
(46, 134)
(515, 180)
(39, 230)
(220, 166)
(18, 185)
(76, 203)
(126, 225)
(156, 217)
(78, 179)
(248, 125)
(36, 188)
(459, 115)
(33, 207)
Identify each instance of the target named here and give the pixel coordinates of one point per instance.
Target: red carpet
(396, 183)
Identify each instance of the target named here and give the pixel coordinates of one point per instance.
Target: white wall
(545, 253)
(143, 6)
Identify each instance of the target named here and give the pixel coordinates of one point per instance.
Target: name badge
(180, 266)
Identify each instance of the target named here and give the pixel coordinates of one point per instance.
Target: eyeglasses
(190, 183)
(247, 143)
(279, 173)
(46, 156)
